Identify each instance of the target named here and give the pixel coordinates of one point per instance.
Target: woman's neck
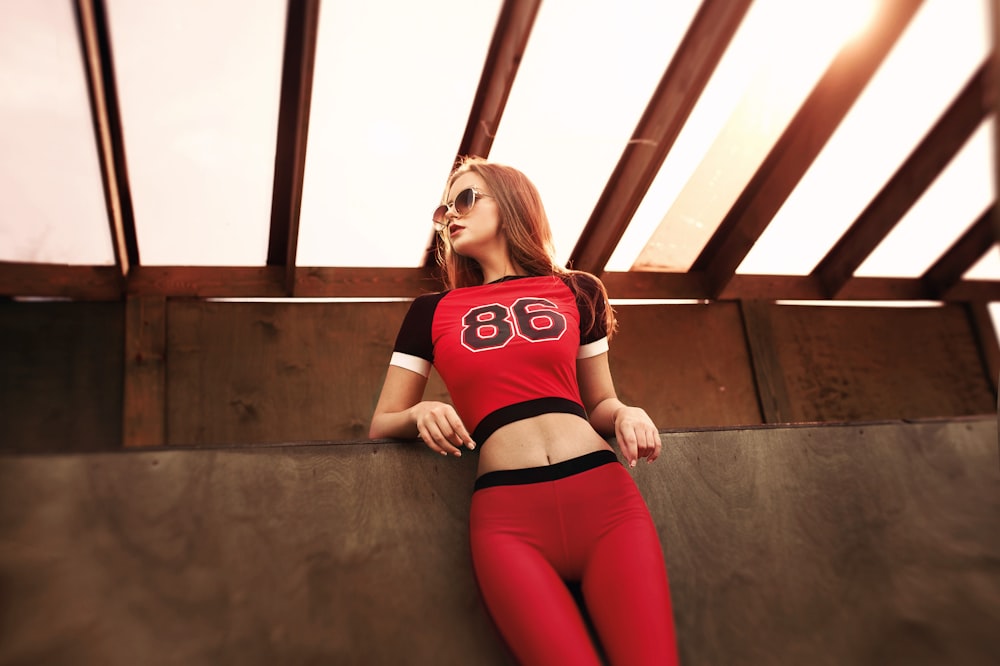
(500, 271)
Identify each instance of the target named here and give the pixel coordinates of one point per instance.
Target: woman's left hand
(637, 435)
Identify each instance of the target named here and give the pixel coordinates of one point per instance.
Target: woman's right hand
(440, 428)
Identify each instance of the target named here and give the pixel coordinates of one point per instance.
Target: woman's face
(476, 234)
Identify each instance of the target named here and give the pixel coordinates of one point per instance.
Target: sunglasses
(463, 203)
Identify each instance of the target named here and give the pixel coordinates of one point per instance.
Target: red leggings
(579, 520)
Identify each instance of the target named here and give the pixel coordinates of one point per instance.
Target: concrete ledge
(835, 544)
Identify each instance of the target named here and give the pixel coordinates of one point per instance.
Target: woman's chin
(461, 249)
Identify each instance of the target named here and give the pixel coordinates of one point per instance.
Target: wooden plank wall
(865, 544)
(275, 372)
(61, 376)
(687, 365)
(860, 363)
(195, 373)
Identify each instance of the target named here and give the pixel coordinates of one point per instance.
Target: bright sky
(198, 84)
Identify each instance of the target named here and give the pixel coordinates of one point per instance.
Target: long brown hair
(524, 224)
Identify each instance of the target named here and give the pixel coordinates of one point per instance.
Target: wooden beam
(974, 290)
(510, 38)
(84, 283)
(995, 83)
(667, 286)
(801, 142)
(95, 42)
(994, 14)
(653, 284)
(909, 182)
(966, 251)
(293, 130)
(676, 95)
(514, 24)
(366, 282)
(209, 281)
(144, 404)
(100, 283)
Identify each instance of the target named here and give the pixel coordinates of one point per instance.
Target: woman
(521, 344)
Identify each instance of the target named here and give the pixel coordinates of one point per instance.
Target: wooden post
(986, 334)
(144, 404)
(772, 391)
(995, 79)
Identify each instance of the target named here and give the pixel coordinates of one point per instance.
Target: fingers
(638, 437)
(653, 445)
(442, 430)
(628, 441)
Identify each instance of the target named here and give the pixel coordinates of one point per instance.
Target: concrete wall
(862, 544)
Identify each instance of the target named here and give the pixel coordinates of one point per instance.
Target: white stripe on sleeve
(595, 348)
(413, 363)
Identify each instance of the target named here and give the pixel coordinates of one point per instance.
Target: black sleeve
(593, 306)
(414, 337)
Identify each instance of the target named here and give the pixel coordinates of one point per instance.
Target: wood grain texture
(687, 365)
(864, 544)
(277, 372)
(854, 544)
(857, 363)
(103, 283)
(144, 403)
(350, 555)
(775, 402)
(61, 374)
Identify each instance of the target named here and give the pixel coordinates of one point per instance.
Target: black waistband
(559, 470)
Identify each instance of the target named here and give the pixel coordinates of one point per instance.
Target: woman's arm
(636, 433)
(401, 413)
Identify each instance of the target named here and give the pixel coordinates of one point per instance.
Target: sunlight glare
(785, 66)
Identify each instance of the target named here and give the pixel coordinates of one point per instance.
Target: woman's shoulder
(582, 282)
(427, 302)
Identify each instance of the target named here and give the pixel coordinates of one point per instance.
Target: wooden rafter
(712, 277)
(510, 38)
(909, 182)
(800, 143)
(293, 129)
(514, 24)
(960, 257)
(95, 42)
(675, 96)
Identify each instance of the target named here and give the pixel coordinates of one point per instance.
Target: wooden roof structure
(714, 273)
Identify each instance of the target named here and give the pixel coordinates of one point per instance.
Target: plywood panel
(352, 554)
(854, 544)
(60, 376)
(252, 373)
(868, 544)
(860, 363)
(687, 365)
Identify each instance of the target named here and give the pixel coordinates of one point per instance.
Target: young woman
(521, 344)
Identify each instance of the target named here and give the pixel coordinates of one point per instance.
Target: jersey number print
(492, 326)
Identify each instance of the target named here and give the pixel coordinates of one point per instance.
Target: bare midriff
(539, 441)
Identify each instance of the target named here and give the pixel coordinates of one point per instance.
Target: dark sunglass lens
(439, 214)
(464, 201)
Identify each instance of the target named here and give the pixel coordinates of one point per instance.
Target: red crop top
(506, 350)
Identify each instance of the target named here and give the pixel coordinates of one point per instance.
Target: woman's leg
(625, 580)
(516, 545)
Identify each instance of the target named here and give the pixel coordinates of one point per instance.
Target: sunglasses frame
(461, 210)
